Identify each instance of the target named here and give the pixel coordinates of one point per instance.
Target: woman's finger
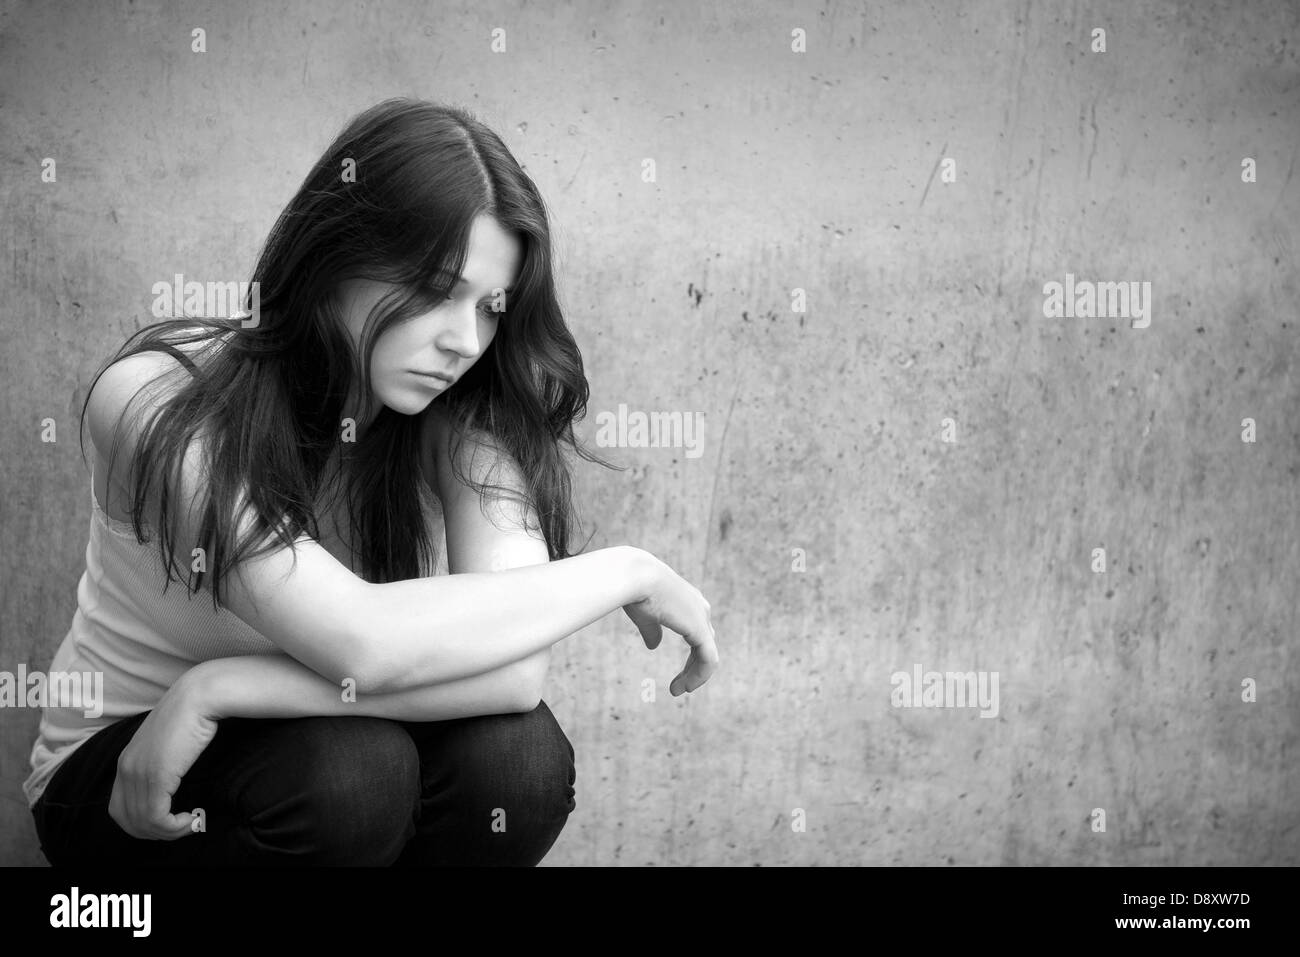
(702, 663)
(163, 824)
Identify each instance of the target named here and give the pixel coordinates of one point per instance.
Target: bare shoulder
(482, 460)
(132, 385)
(477, 453)
(120, 403)
(135, 384)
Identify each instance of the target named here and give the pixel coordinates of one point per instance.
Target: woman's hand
(672, 601)
(150, 767)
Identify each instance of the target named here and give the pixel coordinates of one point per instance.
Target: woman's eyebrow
(462, 281)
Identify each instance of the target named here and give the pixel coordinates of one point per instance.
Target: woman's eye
(433, 295)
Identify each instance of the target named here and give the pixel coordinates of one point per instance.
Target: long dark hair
(271, 402)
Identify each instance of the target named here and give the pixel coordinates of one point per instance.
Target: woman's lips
(433, 377)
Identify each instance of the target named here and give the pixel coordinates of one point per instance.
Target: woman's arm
(396, 636)
(482, 535)
(430, 630)
(277, 686)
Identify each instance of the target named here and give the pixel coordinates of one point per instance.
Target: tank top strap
(176, 353)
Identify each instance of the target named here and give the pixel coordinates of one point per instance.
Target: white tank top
(141, 640)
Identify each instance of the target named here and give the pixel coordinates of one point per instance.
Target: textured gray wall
(779, 170)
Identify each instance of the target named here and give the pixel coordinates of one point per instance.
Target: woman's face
(450, 336)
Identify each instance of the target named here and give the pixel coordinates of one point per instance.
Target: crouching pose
(289, 676)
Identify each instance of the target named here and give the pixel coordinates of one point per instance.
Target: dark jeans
(490, 790)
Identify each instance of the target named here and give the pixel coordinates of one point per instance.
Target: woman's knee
(497, 788)
(345, 794)
(521, 761)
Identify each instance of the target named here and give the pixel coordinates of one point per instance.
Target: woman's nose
(458, 330)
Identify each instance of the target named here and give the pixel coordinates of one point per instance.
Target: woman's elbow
(530, 677)
(527, 703)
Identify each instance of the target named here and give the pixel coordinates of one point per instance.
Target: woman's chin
(409, 405)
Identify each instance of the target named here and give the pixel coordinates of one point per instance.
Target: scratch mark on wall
(943, 151)
(575, 172)
(722, 449)
(1092, 121)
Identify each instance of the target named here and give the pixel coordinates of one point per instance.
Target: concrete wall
(823, 429)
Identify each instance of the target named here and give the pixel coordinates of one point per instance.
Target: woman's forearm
(278, 686)
(426, 631)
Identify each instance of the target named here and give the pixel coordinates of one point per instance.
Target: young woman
(337, 701)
